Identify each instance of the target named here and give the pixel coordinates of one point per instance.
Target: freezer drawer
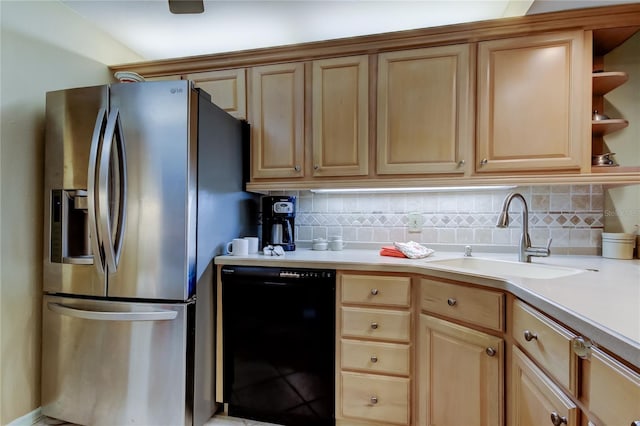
(108, 363)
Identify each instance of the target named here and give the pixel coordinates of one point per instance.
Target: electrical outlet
(415, 222)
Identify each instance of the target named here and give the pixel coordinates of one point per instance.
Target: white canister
(618, 245)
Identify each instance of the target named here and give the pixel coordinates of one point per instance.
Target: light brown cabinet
(425, 110)
(460, 369)
(610, 390)
(460, 375)
(228, 89)
(373, 353)
(340, 116)
(477, 103)
(552, 368)
(532, 104)
(534, 399)
(277, 121)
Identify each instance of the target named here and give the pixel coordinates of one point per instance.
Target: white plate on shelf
(128, 76)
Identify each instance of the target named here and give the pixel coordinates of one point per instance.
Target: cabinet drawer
(546, 342)
(376, 290)
(377, 398)
(472, 305)
(376, 324)
(614, 390)
(375, 357)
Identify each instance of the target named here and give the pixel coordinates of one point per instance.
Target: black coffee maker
(278, 222)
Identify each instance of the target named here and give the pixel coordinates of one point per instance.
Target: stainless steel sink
(503, 268)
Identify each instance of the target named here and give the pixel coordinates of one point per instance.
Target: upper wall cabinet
(532, 105)
(340, 116)
(425, 110)
(277, 121)
(227, 89)
(474, 103)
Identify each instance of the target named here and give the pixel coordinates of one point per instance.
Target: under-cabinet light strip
(411, 189)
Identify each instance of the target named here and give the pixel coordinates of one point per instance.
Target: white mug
(336, 245)
(238, 247)
(253, 244)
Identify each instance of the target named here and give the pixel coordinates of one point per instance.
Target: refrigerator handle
(110, 220)
(158, 315)
(92, 201)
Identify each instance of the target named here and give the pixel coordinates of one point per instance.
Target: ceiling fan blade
(186, 6)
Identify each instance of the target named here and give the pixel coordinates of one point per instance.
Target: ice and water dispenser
(70, 236)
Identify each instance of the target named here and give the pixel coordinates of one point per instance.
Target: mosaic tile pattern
(572, 215)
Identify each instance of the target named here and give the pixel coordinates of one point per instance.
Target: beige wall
(44, 47)
(622, 204)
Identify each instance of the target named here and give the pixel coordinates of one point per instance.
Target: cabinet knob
(374, 291)
(557, 419)
(374, 325)
(483, 161)
(490, 351)
(529, 336)
(296, 168)
(461, 163)
(451, 301)
(316, 167)
(582, 348)
(374, 358)
(374, 399)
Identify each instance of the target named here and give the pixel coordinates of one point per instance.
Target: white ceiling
(148, 28)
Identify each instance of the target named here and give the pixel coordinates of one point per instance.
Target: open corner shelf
(604, 82)
(603, 127)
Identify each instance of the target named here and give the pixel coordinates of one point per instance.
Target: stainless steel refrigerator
(143, 187)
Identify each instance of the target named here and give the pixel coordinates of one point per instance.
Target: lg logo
(176, 90)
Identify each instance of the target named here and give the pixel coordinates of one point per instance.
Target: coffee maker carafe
(278, 222)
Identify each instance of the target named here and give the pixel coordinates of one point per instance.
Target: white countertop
(602, 302)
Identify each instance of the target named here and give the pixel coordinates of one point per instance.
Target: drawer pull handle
(374, 325)
(374, 291)
(529, 336)
(490, 351)
(374, 399)
(374, 358)
(557, 419)
(451, 301)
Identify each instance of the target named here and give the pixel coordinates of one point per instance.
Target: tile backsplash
(572, 215)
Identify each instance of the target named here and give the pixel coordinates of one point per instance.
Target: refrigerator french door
(143, 187)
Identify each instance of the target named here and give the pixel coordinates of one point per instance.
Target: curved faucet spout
(525, 250)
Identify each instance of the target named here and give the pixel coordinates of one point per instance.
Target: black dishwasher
(279, 344)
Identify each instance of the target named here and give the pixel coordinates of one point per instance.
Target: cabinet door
(534, 399)
(340, 105)
(460, 375)
(531, 97)
(613, 390)
(425, 108)
(277, 121)
(227, 89)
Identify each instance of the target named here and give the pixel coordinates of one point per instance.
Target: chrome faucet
(525, 250)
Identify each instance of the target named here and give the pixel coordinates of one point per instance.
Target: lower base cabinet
(534, 399)
(460, 375)
(611, 391)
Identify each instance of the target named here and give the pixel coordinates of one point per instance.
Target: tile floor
(217, 420)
